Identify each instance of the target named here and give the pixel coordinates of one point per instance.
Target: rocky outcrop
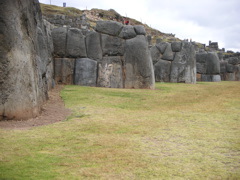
(174, 62)
(208, 66)
(114, 56)
(26, 67)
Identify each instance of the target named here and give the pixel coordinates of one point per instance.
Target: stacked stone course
(114, 56)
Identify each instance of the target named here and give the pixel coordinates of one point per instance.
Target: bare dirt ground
(52, 111)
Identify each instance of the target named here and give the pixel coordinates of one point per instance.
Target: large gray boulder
(127, 32)
(140, 30)
(213, 63)
(93, 44)
(176, 46)
(168, 53)
(162, 70)
(110, 72)
(112, 46)
(234, 60)
(201, 57)
(64, 70)
(25, 60)
(59, 36)
(138, 64)
(75, 43)
(109, 27)
(183, 67)
(85, 72)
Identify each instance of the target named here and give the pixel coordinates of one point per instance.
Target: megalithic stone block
(75, 43)
(183, 67)
(110, 72)
(85, 72)
(59, 36)
(138, 64)
(93, 44)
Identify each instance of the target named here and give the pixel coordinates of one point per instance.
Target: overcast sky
(200, 20)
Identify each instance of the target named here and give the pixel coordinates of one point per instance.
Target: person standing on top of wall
(125, 21)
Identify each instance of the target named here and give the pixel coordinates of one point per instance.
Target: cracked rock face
(26, 68)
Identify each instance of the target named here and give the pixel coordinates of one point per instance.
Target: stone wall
(230, 68)
(114, 56)
(174, 62)
(26, 66)
(58, 20)
(208, 66)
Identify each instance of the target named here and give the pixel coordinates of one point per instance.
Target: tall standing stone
(59, 36)
(24, 60)
(183, 67)
(93, 44)
(138, 68)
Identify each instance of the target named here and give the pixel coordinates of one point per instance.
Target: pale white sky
(201, 20)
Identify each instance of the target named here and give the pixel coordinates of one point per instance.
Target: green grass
(54, 10)
(178, 131)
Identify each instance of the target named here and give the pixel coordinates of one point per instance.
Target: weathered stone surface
(233, 60)
(138, 64)
(230, 68)
(85, 72)
(127, 32)
(93, 44)
(201, 57)
(24, 60)
(162, 70)
(176, 46)
(140, 30)
(216, 78)
(64, 69)
(162, 46)
(230, 76)
(223, 66)
(207, 78)
(237, 73)
(109, 27)
(213, 63)
(201, 68)
(199, 77)
(183, 67)
(110, 72)
(75, 43)
(59, 36)
(211, 78)
(155, 54)
(112, 46)
(168, 53)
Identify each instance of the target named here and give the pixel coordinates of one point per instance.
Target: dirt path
(53, 111)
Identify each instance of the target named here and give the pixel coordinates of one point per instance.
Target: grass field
(178, 131)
